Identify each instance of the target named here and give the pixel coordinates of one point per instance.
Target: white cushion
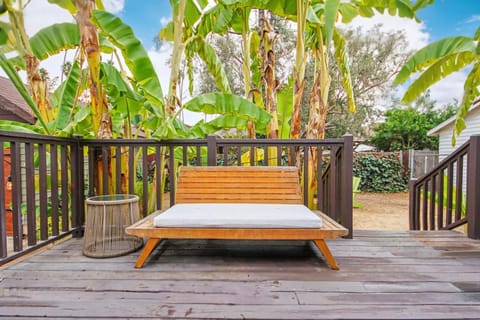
(238, 215)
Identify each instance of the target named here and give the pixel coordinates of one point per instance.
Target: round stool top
(112, 199)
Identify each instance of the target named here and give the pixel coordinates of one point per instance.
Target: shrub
(380, 172)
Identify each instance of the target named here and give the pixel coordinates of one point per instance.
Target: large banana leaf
(470, 93)
(419, 4)
(207, 53)
(403, 8)
(193, 11)
(218, 19)
(124, 100)
(65, 4)
(14, 126)
(67, 97)
(284, 109)
(81, 122)
(282, 8)
(436, 72)
(347, 12)
(17, 82)
(202, 129)
(55, 38)
(256, 60)
(166, 129)
(432, 52)
(113, 80)
(341, 57)
(166, 33)
(228, 104)
(135, 55)
(3, 36)
(331, 11)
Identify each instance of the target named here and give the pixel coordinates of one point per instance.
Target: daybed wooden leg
(322, 245)
(147, 250)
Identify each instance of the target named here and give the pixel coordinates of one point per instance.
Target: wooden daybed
(238, 185)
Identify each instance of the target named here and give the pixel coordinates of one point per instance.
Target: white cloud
(449, 88)
(415, 32)
(160, 63)
(474, 18)
(165, 20)
(40, 14)
(34, 21)
(114, 6)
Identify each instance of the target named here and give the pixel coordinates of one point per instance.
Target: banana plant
(197, 25)
(17, 39)
(438, 60)
(321, 16)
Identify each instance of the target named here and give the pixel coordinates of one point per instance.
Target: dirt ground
(381, 211)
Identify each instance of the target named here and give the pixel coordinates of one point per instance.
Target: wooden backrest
(238, 185)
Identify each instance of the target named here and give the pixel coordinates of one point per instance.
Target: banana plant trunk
(269, 79)
(101, 119)
(246, 66)
(317, 113)
(270, 84)
(177, 52)
(299, 70)
(37, 85)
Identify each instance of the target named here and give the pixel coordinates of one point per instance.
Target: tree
(437, 61)
(406, 128)
(375, 58)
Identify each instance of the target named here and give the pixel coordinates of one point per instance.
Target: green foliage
(463, 205)
(380, 173)
(9, 69)
(229, 105)
(68, 91)
(54, 39)
(437, 61)
(406, 128)
(135, 55)
(214, 65)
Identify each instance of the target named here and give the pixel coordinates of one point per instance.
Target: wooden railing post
(77, 186)
(412, 208)
(212, 150)
(3, 215)
(346, 194)
(473, 188)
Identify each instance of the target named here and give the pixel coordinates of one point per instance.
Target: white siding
(472, 120)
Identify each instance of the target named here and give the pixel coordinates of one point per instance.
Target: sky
(442, 19)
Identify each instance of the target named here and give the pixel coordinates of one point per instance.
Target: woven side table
(106, 219)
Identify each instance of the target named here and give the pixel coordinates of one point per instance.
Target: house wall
(472, 121)
(445, 135)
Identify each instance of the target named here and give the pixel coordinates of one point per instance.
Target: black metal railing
(51, 177)
(448, 196)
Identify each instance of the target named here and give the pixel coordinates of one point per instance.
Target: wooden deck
(402, 275)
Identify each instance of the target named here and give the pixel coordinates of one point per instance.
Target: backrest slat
(238, 185)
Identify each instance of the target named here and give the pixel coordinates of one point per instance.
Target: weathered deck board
(394, 275)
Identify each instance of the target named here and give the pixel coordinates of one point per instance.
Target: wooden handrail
(442, 199)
